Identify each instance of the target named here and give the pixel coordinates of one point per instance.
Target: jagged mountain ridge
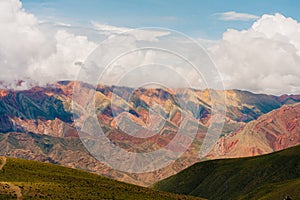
(25, 122)
(54, 102)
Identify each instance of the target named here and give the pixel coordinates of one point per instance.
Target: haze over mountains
(38, 124)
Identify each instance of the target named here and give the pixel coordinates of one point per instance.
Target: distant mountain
(33, 180)
(38, 124)
(270, 177)
(274, 131)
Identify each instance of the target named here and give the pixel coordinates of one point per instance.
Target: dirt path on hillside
(3, 162)
(9, 188)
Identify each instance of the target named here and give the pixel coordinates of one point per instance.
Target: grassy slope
(264, 177)
(276, 191)
(46, 181)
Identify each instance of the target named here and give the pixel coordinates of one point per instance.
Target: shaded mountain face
(271, 176)
(39, 123)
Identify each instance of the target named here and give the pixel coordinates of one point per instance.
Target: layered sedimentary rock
(39, 124)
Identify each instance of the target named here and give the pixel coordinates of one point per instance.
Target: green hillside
(35, 180)
(271, 176)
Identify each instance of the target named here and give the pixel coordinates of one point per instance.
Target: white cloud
(264, 58)
(108, 30)
(235, 16)
(141, 63)
(29, 53)
(139, 34)
(61, 65)
(21, 41)
(62, 24)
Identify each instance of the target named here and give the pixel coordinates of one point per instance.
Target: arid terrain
(38, 124)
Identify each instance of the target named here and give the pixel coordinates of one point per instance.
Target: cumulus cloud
(21, 41)
(264, 58)
(124, 60)
(64, 62)
(29, 53)
(235, 16)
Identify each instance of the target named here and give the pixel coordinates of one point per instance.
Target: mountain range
(38, 124)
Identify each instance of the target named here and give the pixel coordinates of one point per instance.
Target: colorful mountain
(274, 131)
(38, 124)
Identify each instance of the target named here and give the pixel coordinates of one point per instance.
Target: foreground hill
(34, 180)
(270, 176)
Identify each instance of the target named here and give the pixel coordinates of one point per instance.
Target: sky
(197, 18)
(250, 45)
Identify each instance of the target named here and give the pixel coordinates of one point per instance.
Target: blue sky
(197, 18)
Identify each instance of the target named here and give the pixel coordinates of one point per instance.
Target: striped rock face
(39, 124)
